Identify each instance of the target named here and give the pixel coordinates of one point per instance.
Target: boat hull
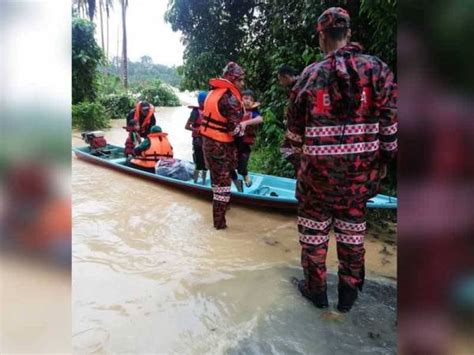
(267, 191)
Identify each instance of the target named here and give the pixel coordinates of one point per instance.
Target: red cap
(332, 18)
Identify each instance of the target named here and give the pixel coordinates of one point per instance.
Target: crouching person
(153, 148)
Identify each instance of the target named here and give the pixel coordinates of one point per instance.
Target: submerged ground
(151, 275)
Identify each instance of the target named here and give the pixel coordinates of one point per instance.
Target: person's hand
(243, 125)
(383, 171)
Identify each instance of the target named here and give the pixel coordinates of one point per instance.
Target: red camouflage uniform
(340, 130)
(221, 158)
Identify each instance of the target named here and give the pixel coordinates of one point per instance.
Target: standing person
(144, 113)
(287, 76)
(244, 142)
(342, 124)
(223, 111)
(193, 124)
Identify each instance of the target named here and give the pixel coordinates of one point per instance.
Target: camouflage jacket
(230, 108)
(342, 122)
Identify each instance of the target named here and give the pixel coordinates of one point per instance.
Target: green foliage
(263, 35)
(110, 84)
(89, 116)
(213, 33)
(86, 57)
(382, 18)
(156, 93)
(118, 105)
(146, 70)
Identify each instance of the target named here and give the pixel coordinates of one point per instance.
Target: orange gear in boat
(147, 121)
(160, 148)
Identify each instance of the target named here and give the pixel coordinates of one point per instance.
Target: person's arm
(130, 116)
(152, 122)
(296, 118)
(142, 147)
(386, 109)
(252, 122)
(192, 118)
(231, 108)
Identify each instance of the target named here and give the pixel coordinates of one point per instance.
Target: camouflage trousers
(315, 220)
(221, 161)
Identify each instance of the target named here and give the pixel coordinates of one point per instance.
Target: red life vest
(249, 135)
(213, 124)
(196, 125)
(130, 142)
(147, 120)
(159, 148)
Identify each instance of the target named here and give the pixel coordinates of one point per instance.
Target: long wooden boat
(266, 190)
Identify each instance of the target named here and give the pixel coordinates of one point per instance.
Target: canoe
(266, 190)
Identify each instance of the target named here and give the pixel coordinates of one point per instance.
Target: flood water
(152, 276)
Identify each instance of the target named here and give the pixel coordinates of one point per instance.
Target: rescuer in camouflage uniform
(342, 125)
(221, 154)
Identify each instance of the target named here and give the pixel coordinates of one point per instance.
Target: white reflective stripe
(290, 151)
(350, 129)
(347, 226)
(387, 131)
(313, 239)
(293, 136)
(309, 223)
(389, 146)
(338, 149)
(222, 198)
(349, 239)
(220, 189)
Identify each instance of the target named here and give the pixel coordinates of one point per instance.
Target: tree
(101, 10)
(108, 7)
(86, 57)
(213, 33)
(124, 4)
(261, 36)
(86, 7)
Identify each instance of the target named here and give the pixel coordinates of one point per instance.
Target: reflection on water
(151, 275)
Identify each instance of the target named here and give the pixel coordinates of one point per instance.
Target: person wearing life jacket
(223, 112)
(153, 148)
(193, 124)
(144, 114)
(133, 138)
(246, 138)
(342, 125)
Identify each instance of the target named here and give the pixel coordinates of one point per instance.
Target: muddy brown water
(152, 276)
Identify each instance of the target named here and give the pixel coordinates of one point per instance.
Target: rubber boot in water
(196, 176)
(204, 175)
(347, 297)
(319, 299)
(239, 184)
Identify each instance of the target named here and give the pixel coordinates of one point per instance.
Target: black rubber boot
(195, 176)
(319, 299)
(347, 297)
(239, 184)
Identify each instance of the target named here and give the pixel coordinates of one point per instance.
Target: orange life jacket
(147, 121)
(214, 125)
(159, 148)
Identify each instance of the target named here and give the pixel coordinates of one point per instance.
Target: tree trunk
(101, 10)
(108, 40)
(124, 44)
